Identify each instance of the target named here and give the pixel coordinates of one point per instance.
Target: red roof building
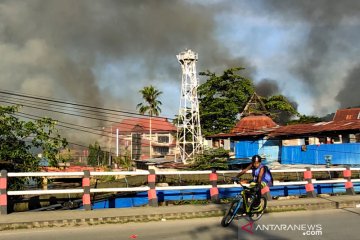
(158, 125)
(250, 126)
(135, 132)
(316, 128)
(347, 114)
(254, 124)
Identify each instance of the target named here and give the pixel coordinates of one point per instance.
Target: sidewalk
(64, 218)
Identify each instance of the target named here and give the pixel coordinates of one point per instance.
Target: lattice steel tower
(189, 139)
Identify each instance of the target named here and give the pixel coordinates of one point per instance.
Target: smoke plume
(330, 50)
(66, 49)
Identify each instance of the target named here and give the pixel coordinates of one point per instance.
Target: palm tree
(150, 105)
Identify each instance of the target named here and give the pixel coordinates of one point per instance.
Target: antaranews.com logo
(306, 229)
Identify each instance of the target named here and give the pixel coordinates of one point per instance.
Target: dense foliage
(214, 158)
(96, 156)
(21, 140)
(223, 98)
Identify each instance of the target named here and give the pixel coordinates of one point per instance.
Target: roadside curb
(110, 220)
(201, 212)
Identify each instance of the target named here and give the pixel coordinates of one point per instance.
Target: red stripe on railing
(214, 191)
(347, 173)
(348, 185)
(307, 175)
(309, 187)
(86, 199)
(3, 183)
(3, 200)
(86, 182)
(213, 177)
(152, 194)
(151, 178)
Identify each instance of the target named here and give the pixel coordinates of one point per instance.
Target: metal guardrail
(308, 182)
(146, 173)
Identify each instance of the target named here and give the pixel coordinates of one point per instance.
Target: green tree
(96, 155)
(279, 108)
(19, 140)
(221, 99)
(150, 105)
(305, 119)
(211, 158)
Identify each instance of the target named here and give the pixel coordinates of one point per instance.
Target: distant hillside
(328, 117)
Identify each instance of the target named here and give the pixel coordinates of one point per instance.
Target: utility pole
(150, 153)
(110, 140)
(117, 142)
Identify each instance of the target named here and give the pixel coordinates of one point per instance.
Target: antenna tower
(189, 139)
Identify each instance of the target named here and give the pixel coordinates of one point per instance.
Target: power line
(77, 129)
(69, 103)
(61, 107)
(84, 116)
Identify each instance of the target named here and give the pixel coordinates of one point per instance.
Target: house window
(163, 139)
(162, 150)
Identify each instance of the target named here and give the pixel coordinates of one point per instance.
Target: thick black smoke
(54, 48)
(349, 96)
(267, 88)
(331, 47)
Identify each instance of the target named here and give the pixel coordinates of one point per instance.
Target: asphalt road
(319, 224)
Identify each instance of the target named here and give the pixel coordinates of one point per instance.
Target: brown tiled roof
(347, 114)
(253, 124)
(250, 126)
(143, 125)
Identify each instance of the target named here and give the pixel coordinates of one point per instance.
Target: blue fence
(348, 153)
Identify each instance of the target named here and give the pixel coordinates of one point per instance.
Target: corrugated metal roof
(344, 120)
(301, 129)
(243, 134)
(347, 114)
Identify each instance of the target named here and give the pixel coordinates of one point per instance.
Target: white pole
(131, 146)
(150, 137)
(110, 141)
(117, 142)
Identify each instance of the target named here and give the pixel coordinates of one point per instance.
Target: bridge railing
(213, 186)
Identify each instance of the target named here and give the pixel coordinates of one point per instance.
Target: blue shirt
(266, 177)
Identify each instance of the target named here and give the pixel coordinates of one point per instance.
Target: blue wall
(267, 148)
(246, 149)
(347, 153)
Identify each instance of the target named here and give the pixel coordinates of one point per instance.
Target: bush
(211, 159)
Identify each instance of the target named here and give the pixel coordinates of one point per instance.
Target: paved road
(323, 224)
